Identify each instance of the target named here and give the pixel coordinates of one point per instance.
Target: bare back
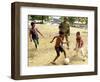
(59, 41)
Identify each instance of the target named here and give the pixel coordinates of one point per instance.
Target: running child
(34, 34)
(79, 44)
(58, 45)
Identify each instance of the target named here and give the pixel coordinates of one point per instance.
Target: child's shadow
(51, 64)
(75, 58)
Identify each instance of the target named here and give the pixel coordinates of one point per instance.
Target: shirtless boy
(58, 45)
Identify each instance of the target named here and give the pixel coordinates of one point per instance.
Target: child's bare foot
(53, 63)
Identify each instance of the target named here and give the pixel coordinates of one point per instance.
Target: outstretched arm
(39, 32)
(53, 39)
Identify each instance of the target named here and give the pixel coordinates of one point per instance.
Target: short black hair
(32, 23)
(60, 32)
(78, 33)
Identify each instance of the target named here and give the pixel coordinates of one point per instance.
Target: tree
(71, 20)
(82, 20)
(42, 18)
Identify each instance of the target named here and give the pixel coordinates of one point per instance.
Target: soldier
(65, 27)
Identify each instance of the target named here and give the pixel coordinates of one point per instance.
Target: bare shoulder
(56, 36)
(59, 37)
(30, 29)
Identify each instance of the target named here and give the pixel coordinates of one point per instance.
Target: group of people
(64, 33)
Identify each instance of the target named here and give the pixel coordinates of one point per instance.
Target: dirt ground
(46, 52)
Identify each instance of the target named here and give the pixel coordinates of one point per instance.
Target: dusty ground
(46, 52)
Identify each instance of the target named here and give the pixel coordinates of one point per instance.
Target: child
(58, 45)
(34, 34)
(79, 44)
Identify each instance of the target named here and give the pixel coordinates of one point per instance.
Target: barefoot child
(58, 45)
(79, 44)
(34, 34)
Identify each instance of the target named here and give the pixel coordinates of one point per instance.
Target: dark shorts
(59, 49)
(34, 37)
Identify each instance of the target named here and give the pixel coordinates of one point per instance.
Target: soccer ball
(66, 61)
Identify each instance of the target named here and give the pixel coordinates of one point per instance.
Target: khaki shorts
(80, 51)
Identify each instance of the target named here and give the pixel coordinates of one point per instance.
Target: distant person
(79, 45)
(34, 34)
(58, 45)
(65, 27)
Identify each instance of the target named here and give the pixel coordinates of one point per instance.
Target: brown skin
(78, 43)
(33, 26)
(59, 40)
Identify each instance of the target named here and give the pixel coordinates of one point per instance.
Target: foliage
(42, 18)
(71, 19)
